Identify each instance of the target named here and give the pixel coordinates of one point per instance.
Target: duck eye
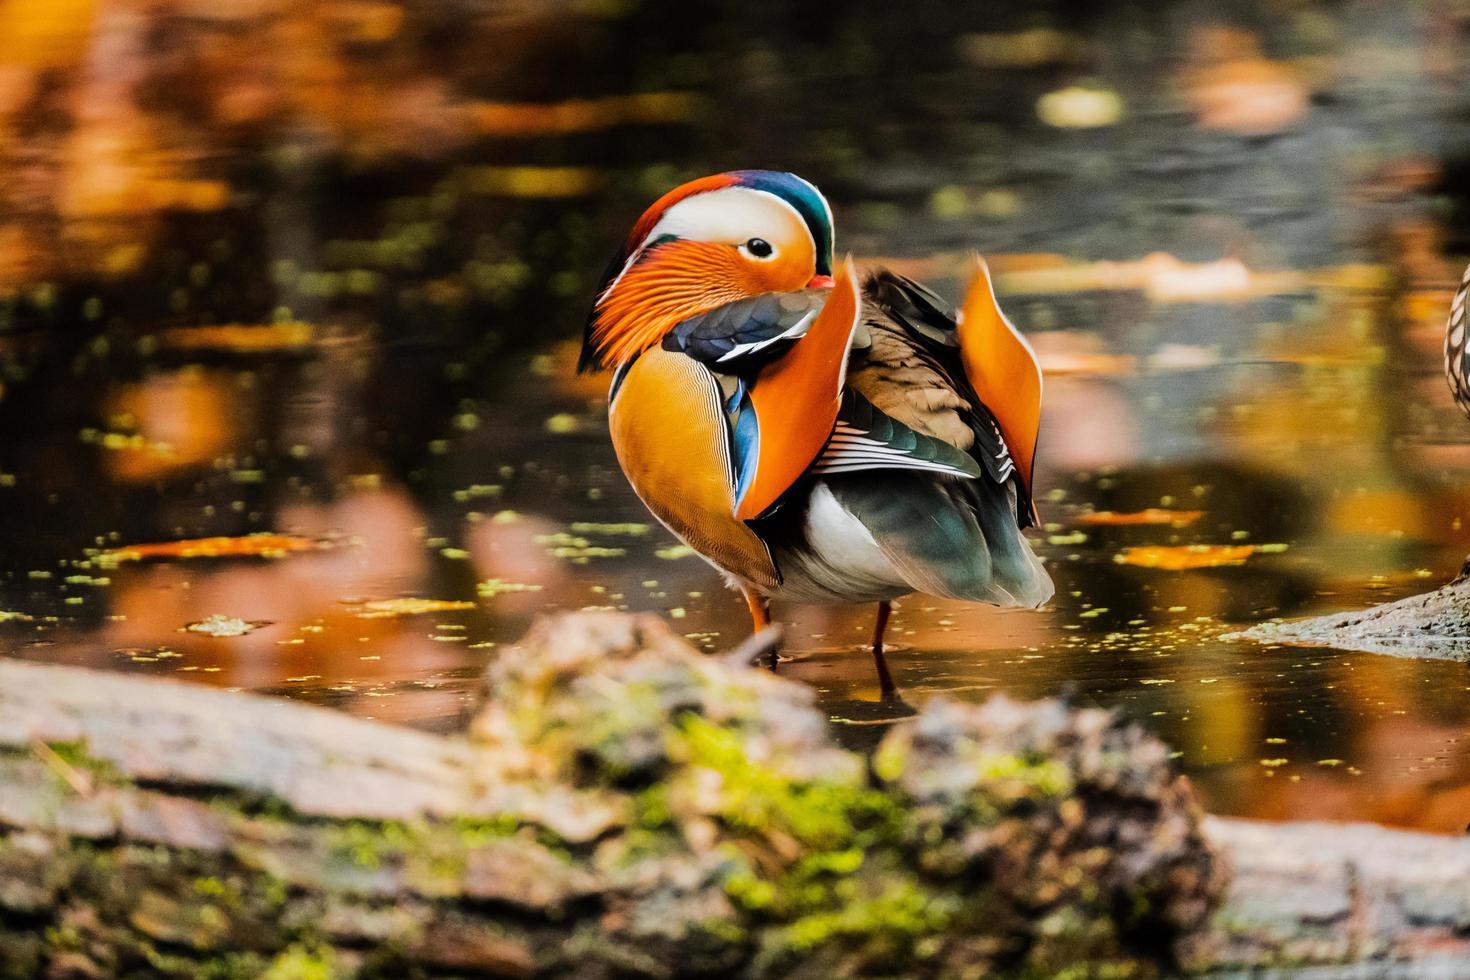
(759, 247)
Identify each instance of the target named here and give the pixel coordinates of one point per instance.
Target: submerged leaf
(490, 588)
(1177, 558)
(393, 608)
(249, 546)
(1152, 515)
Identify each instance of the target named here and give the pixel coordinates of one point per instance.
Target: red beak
(821, 282)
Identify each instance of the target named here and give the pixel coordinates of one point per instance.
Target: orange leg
(760, 614)
(880, 626)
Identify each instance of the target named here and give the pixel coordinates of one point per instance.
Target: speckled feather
(1455, 353)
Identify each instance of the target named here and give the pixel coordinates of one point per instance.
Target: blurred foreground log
(1434, 626)
(624, 806)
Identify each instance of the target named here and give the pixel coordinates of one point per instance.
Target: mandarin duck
(815, 441)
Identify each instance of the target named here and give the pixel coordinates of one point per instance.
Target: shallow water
(530, 502)
(366, 349)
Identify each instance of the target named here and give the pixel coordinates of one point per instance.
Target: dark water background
(317, 270)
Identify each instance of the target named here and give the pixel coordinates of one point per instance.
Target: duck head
(706, 243)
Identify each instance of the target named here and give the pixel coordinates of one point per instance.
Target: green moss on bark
(639, 809)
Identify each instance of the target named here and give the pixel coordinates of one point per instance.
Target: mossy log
(624, 806)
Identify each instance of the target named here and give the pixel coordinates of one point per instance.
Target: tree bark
(625, 806)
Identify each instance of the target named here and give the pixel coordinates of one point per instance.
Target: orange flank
(796, 398)
(1003, 368)
(669, 431)
(1151, 516)
(1179, 558)
(249, 546)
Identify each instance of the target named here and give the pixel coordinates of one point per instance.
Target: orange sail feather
(796, 398)
(1003, 369)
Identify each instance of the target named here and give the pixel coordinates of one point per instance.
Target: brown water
(318, 321)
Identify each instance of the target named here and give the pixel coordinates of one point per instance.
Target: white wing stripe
(850, 467)
(878, 457)
(795, 331)
(846, 440)
(839, 459)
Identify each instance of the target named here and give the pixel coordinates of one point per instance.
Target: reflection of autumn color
(580, 115)
(1416, 249)
(505, 548)
(1074, 352)
(182, 419)
(249, 546)
(1331, 405)
(830, 641)
(91, 157)
(43, 34)
(1161, 277)
(1232, 86)
(1086, 423)
(302, 596)
(1406, 773)
(1398, 756)
(1151, 516)
(1175, 558)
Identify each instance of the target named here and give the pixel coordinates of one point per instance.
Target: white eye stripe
(730, 214)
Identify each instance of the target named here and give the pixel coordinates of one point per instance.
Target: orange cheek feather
(789, 271)
(669, 284)
(670, 435)
(682, 279)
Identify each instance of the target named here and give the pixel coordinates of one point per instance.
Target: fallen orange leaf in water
(244, 338)
(582, 115)
(249, 546)
(1153, 515)
(1176, 558)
